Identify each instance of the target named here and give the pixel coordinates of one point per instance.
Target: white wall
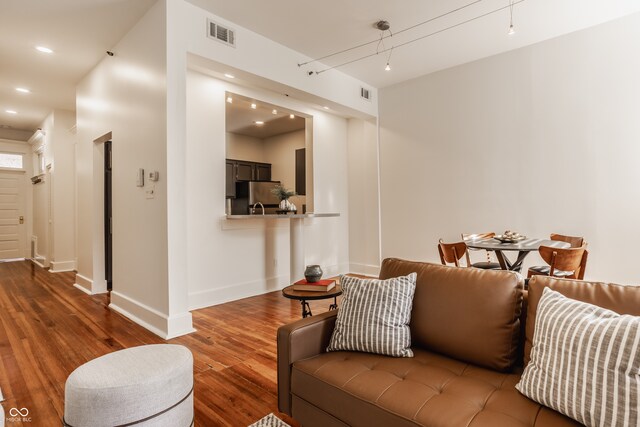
(127, 95)
(172, 252)
(63, 192)
(230, 259)
(364, 203)
(539, 140)
(243, 147)
(200, 242)
(41, 193)
(280, 151)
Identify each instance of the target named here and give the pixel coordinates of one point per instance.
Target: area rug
(270, 421)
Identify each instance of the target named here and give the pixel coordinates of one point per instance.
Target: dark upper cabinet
(230, 179)
(262, 172)
(240, 170)
(245, 171)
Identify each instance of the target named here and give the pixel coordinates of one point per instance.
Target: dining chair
(575, 242)
(568, 263)
(485, 265)
(452, 253)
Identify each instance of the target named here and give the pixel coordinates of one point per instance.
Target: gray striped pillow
(374, 316)
(585, 362)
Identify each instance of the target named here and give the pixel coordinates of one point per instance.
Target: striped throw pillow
(585, 362)
(374, 316)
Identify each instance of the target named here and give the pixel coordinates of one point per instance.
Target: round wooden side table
(304, 296)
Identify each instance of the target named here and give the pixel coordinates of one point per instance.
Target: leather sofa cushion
(361, 389)
(619, 298)
(466, 313)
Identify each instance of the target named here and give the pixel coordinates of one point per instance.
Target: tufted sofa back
(470, 314)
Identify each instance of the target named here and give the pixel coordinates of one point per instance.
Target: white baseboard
(215, 296)
(60, 266)
(82, 288)
(149, 318)
(38, 262)
(364, 269)
(84, 284)
(236, 291)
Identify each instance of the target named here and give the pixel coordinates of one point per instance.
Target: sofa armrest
(300, 340)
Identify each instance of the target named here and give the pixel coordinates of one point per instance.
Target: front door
(13, 235)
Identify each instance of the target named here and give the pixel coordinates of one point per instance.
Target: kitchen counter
(283, 216)
(297, 260)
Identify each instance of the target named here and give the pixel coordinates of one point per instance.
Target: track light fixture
(384, 26)
(512, 30)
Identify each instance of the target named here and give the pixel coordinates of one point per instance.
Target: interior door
(13, 233)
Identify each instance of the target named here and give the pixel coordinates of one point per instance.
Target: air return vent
(220, 33)
(365, 93)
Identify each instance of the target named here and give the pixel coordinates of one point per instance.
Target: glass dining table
(523, 247)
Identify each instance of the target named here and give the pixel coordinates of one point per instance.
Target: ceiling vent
(365, 93)
(220, 33)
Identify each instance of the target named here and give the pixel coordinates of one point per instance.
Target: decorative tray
(509, 239)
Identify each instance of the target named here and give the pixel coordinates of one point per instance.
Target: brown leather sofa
(469, 339)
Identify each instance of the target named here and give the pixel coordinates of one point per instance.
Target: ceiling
(241, 118)
(323, 27)
(78, 31)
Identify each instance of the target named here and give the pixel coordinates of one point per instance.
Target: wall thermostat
(154, 175)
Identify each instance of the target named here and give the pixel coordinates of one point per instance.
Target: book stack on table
(319, 286)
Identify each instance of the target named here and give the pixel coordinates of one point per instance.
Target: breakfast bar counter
(296, 237)
(284, 216)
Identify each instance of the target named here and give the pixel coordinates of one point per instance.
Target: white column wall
(364, 201)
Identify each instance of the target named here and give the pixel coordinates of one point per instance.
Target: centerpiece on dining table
(510, 237)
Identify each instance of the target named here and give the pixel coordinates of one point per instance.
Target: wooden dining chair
(452, 253)
(575, 242)
(568, 263)
(485, 265)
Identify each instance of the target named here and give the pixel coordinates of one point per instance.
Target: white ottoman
(150, 385)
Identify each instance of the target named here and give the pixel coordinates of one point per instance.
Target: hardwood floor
(48, 328)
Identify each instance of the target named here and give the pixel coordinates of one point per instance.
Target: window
(12, 161)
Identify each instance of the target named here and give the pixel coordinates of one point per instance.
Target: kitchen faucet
(253, 210)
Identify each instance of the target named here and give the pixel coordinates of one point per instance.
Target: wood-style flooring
(48, 328)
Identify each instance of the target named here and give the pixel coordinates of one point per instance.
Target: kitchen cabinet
(245, 171)
(230, 179)
(262, 172)
(242, 170)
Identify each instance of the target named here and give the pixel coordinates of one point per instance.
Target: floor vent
(220, 33)
(365, 93)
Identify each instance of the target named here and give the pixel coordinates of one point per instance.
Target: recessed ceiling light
(325, 107)
(23, 90)
(274, 111)
(291, 116)
(259, 122)
(44, 49)
(254, 106)
(229, 100)
(229, 76)
(11, 111)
